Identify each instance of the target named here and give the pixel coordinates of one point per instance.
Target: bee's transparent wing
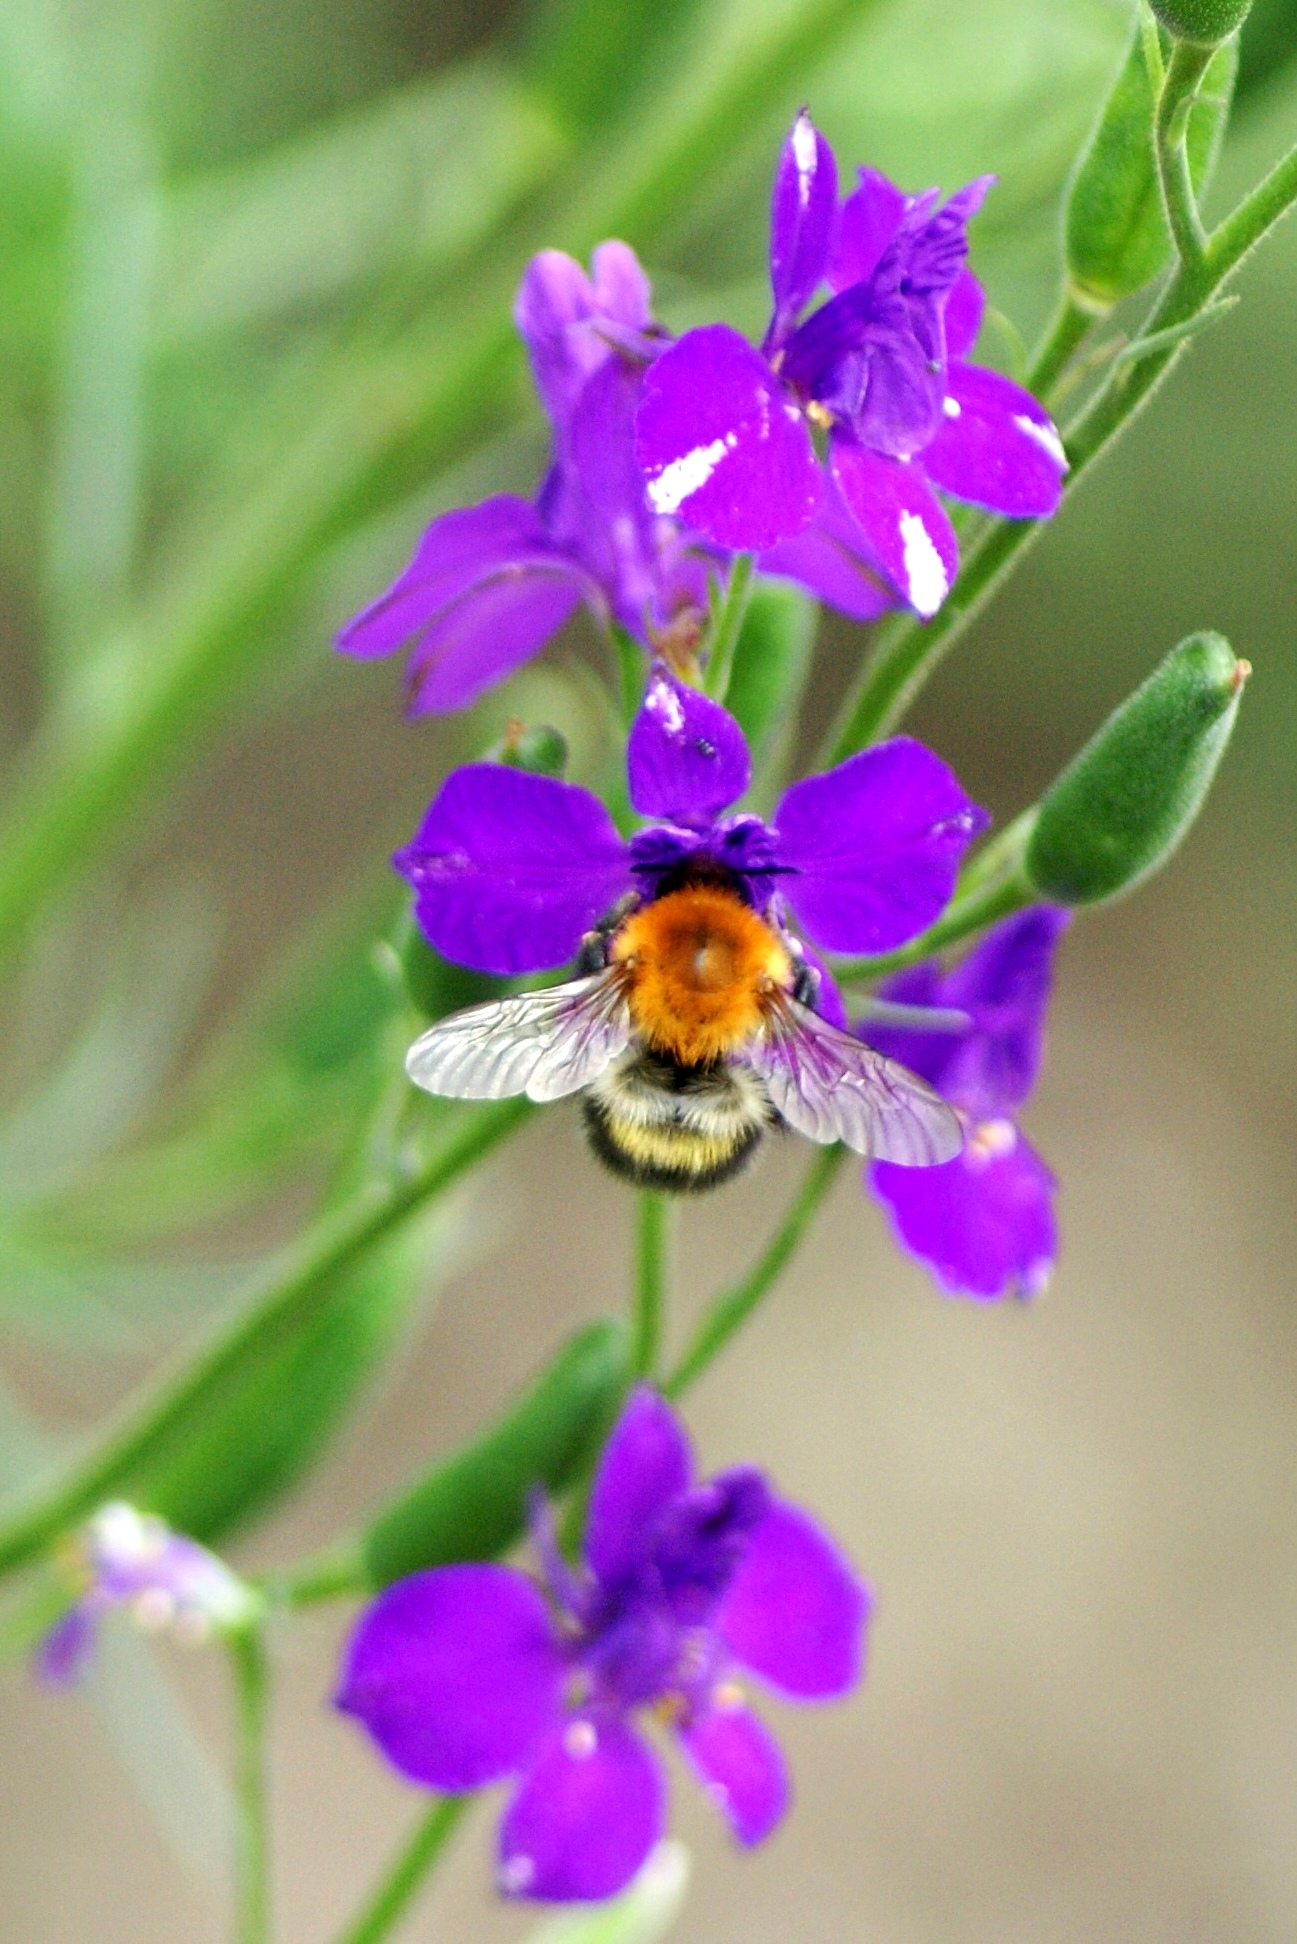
(832, 1087)
(544, 1044)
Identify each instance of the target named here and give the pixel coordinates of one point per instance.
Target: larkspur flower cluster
(703, 945)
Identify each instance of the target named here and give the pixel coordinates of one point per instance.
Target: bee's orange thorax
(700, 968)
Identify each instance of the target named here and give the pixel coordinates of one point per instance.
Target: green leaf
(1115, 232)
(474, 1504)
(593, 60)
(1124, 803)
(417, 178)
(260, 1432)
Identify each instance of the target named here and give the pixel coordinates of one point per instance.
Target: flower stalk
(408, 1873)
(654, 1225)
(248, 1659)
(732, 1308)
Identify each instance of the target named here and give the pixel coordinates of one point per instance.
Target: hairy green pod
(1204, 22)
(1115, 233)
(474, 1505)
(1123, 804)
(542, 750)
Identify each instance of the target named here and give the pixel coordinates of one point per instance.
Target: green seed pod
(1204, 22)
(1122, 805)
(474, 1505)
(1115, 234)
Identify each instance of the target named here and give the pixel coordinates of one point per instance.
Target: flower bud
(1115, 232)
(1122, 805)
(543, 751)
(1205, 22)
(475, 1504)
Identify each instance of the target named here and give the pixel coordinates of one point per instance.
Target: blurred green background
(256, 264)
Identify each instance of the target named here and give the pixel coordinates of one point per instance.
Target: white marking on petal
(676, 482)
(1045, 436)
(516, 1872)
(663, 701)
(580, 1741)
(989, 1140)
(804, 156)
(925, 574)
(951, 407)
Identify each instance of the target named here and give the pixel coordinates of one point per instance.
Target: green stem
(732, 1308)
(1071, 324)
(728, 622)
(630, 672)
(399, 1887)
(1258, 213)
(1188, 65)
(966, 915)
(652, 1262)
(273, 1309)
(251, 1684)
(336, 1572)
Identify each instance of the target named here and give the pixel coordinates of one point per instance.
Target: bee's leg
(806, 985)
(595, 955)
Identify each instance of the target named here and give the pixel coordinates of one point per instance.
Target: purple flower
(490, 584)
(126, 1558)
(724, 432)
(510, 870)
(469, 1675)
(984, 1222)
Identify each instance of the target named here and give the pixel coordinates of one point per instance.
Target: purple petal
(1005, 986)
(621, 289)
(491, 631)
(997, 447)
(686, 758)
(646, 1463)
(63, 1654)
(832, 560)
(871, 216)
(964, 308)
(875, 845)
(983, 1223)
(585, 1817)
(720, 442)
(802, 214)
(510, 869)
(927, 1054)
(936, 246)
(456, 1673)
(903, 522)
(795, 1613)
(595, 499)
(553, 311)
(740, 1764)
(456, 553)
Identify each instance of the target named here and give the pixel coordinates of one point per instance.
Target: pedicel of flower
(168, 1583)
(699, 1015)
(470, 1675)
(983, 1223)
(724, 431)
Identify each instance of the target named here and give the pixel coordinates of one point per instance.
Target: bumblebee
(689, 1033)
